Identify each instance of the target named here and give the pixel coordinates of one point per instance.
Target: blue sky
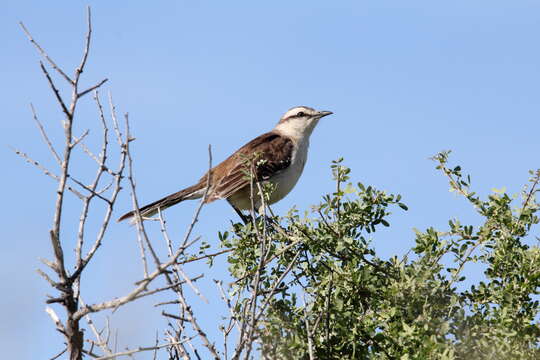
(404, 80)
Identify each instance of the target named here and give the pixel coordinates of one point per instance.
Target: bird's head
(300, 121)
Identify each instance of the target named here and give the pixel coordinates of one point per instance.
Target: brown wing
(268, 155)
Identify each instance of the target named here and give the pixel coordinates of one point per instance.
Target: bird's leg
(245, 219)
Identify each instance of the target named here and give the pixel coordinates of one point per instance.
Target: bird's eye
(301, 113)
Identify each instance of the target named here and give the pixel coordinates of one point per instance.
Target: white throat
(299, 131)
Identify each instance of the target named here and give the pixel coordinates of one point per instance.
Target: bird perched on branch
(277, 157)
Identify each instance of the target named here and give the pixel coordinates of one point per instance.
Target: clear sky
(405, 79)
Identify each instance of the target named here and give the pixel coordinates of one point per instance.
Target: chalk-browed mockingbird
(277, 157)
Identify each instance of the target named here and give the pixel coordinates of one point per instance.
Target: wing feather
(267, 155)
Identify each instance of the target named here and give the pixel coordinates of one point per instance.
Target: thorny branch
(68, 281)
(105, 187)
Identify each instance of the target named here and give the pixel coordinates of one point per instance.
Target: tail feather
(193, 192)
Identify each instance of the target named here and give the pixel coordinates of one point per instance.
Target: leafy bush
(316, 288)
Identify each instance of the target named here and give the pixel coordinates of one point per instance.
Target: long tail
(193, 192)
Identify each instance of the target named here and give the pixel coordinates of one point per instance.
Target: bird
(277, 157)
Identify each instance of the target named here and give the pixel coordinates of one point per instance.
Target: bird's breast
(285, 181)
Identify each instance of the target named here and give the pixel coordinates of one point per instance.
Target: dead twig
(139, 349)
(45, 55)
(44, 135)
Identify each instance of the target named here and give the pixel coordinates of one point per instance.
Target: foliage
(325, 293)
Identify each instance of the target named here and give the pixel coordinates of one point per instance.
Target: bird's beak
(324, 113)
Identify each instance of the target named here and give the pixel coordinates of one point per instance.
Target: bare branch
(117, 187)
(35, 163)
(90, 89)
(100, 342)
(68, 282)
(68, 285)
(186, 308)
(173, 285)
(49, 264)
(134, 294)
(44, 54)
(44, 135)
(56, 91)
(206, 256)
(176, 317)
(535, 180)
(59, 354)
(55, 319)
(89, 189)
(29, 160)
(227, 302)
(177, 269)
(141, 230)
(203, 200)
(81, 138)
(95, 158)
(141, 349)
(59, 254)
(47, 278)
(80, 69)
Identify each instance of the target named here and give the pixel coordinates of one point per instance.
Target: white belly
(283, 182)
